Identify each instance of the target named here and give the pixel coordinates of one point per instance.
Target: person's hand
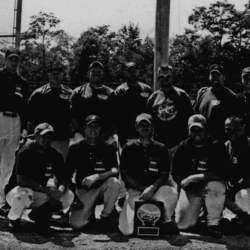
(88, 181)
(24, 133)
(77, 205)
(62, 188)
(147, 194)
(184, 183)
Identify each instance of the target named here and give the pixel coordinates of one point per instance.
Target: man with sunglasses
(145, 170)
(216, 103)
(131, 100)
(238, 193)
(36, 163)
(93, 98)
(170, 108)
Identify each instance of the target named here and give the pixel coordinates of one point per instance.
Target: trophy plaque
(148, 218)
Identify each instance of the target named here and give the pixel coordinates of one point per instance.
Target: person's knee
(113, 182)
(217, 187)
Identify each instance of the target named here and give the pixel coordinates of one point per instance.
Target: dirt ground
(63, 237)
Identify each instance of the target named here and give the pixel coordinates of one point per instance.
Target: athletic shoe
(170, 228)
(214, 231)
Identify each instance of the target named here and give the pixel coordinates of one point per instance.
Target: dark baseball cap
(130, 65)
(197, 120)
(143, 117)
(96, 64)
(43, 128)
(92, 118)
(216, 67)
(165, 67)
(246, 71)
(12, 52)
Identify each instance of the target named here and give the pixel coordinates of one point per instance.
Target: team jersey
(85, 160)
(190, 160)
(86, 100)
(51, 105)
(216, 107)
(130, 102)
(145, 164)
(170, 111)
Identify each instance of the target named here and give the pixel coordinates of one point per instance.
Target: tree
(41, 36)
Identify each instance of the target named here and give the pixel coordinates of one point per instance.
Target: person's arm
(24, 181)
(130, 182)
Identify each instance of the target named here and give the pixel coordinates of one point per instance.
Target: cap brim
(215, 70)
(45, 131)
(196, 124)
(94, 121)
(147, 120)
(16, 55)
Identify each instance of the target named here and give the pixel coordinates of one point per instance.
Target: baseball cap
(96, 64)
(143, 117)
(217, 67)
(165, 67)
(43, 128)
(92, 118)
(245, 71)
(197, 120)
(130, 64)
(12, 52)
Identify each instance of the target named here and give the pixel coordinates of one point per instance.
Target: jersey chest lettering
(144, 94)
(102, 97)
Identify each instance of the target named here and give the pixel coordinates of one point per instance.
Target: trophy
(148, 218)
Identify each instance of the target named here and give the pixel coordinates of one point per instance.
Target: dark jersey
(14, 94)
(86, 100)
(244, 110)
(51, 105)
(216, 107)
(40, 167)
(239, 154)
(170, 111)
(190, 160)
(130, 102)
(86, 160)
(145, 164)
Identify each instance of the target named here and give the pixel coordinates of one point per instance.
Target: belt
(10, 114)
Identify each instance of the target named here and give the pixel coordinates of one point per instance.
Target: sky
(78, 15)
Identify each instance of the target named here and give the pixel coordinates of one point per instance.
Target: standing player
(131, 100)
(170, 108)
(145, 170)
(216, 103)
(50, 103)
(198, 166)
(244, 100)
(13, 116)
(93, 98)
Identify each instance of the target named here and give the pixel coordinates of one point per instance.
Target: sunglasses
(161, 76)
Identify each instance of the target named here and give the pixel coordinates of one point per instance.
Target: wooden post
(18, 23)
(161, 36)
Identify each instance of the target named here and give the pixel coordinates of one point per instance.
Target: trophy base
(148, 231)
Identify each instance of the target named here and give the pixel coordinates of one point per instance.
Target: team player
(244, 100)
(238, 193)
(50, 103)
(199, 164)
(170, 108)
(145, 170)
(216, 103)
(93, 98)
(131, 100)
(13, 116)
(36, 163)
(95, 163)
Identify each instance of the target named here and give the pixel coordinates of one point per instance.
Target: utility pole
(18, 23)
(161, 36)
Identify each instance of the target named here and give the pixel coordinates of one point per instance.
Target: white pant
(20, 198)
(62, 146)
(107, 194)
(242, 199)
(10, 129)
(166, 194)
(189, 205)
